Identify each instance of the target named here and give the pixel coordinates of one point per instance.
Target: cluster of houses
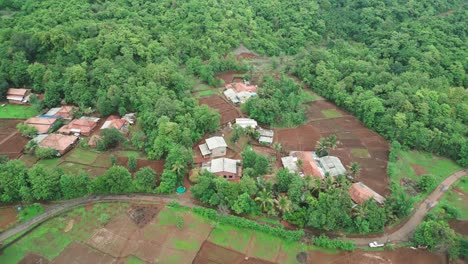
(239, 92)
(300, 162)
(67, 135)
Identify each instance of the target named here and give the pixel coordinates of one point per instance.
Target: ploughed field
(227, 111)
(11, 141)
(154, 233)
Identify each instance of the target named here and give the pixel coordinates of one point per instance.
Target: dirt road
(402, 234)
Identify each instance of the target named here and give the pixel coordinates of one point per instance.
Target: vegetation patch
(453, 204)
(331, 113)
(205, 93)
(265, 246)
(82, 156)
(17, 111)
(30, 211)
(230, 237)
(360, 153)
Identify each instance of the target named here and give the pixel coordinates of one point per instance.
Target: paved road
(400, 235)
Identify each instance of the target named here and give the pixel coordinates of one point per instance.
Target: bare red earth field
(227, 111)
(11, 142)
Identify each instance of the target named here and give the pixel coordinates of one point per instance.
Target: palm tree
(332, 141)
(278, 147)
(265, 199)
(283, 204)
(177, 167)
(354, 169)
(322, 147)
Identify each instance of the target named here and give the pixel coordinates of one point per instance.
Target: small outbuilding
(224, 167)
(61, 143)
(332, 165)
(214, 147)
(266, 136)
(360, 193)
(18, 96)
(246, 122)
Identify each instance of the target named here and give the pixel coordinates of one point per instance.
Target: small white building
(214, 147)
(231, 95)
(332, 165)
(266, 136)
(227, 168)
(246, 122)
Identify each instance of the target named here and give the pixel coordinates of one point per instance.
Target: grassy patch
(309, 97)
(17, 111)
(456, 199)
(360, 153)
(189, 244)
(331, 113)
(82, 156)
(73, 168)
(204, 93)
(54, 161)
(231, 237)
(265, 246)
(440, 167)
(30, 211)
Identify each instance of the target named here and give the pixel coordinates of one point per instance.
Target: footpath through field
(400, 235)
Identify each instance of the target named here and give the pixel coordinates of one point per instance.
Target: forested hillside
(399, 66)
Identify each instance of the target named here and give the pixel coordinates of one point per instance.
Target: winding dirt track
(402, 234)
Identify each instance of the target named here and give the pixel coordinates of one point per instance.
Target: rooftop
(309, 164)
(17, 92)
(246, 122)
(332, 165)
(42, 124)
(290, 163)
(215, 142)
(222, 165)
(265, 132)
(360, 193)
(114, 121)
(59, 142)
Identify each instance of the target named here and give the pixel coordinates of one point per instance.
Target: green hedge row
(326, 242)
(245, 223)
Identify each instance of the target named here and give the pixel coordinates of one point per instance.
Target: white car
(375, 244)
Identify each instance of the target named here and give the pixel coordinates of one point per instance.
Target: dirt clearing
(227, 111)
(214, 254)
(82, 254)
(8, 217)
(141, 215)
(32, 258)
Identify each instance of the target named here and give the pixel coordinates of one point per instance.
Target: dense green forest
(400, 66)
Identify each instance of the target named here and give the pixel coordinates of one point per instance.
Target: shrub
(427, 183)
(326, 242)
(26, 130)
(30, 211)
(45, 153)
(132, 163)
(245, 223)
(104, 219)
(180, 222)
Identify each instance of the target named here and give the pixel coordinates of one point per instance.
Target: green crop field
(17, 111)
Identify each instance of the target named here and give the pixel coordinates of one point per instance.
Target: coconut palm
(332, 141)
(277, 147)
(265, 199)
(354, 169)
(177, 167)
(283, 204)
(322, 147)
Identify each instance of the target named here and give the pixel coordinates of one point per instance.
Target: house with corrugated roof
(227, 168)
(239, 92)
(79, 126)
(360, 193)
(61, 143)
(308, 163)
(18, 96)
(42, 124)
(246, 122)
(116, 122)
(65, 112)
(214, 147)
(266, 136)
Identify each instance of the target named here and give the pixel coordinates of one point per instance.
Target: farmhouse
(266, 136)
(227, 168)
(332, 165)
(61, 143)
(360, 193)
(18, 96)
(246, 122)
(65, 112)
(78, 126)
(311, 164)
(214, 147)
(116, 122)
(42, 124)
(240, 92)
(130, 117)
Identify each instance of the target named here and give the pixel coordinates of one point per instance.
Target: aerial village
(58, 129)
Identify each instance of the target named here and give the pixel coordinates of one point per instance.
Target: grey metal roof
(204, 149)
(39, 138)
(266, 132)
(215, 142)
(231, 95)
(263, 139)
(246, 122)
(332, 165)
(90, 118)
(290, 163)
(221, 165)
(53, 111)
